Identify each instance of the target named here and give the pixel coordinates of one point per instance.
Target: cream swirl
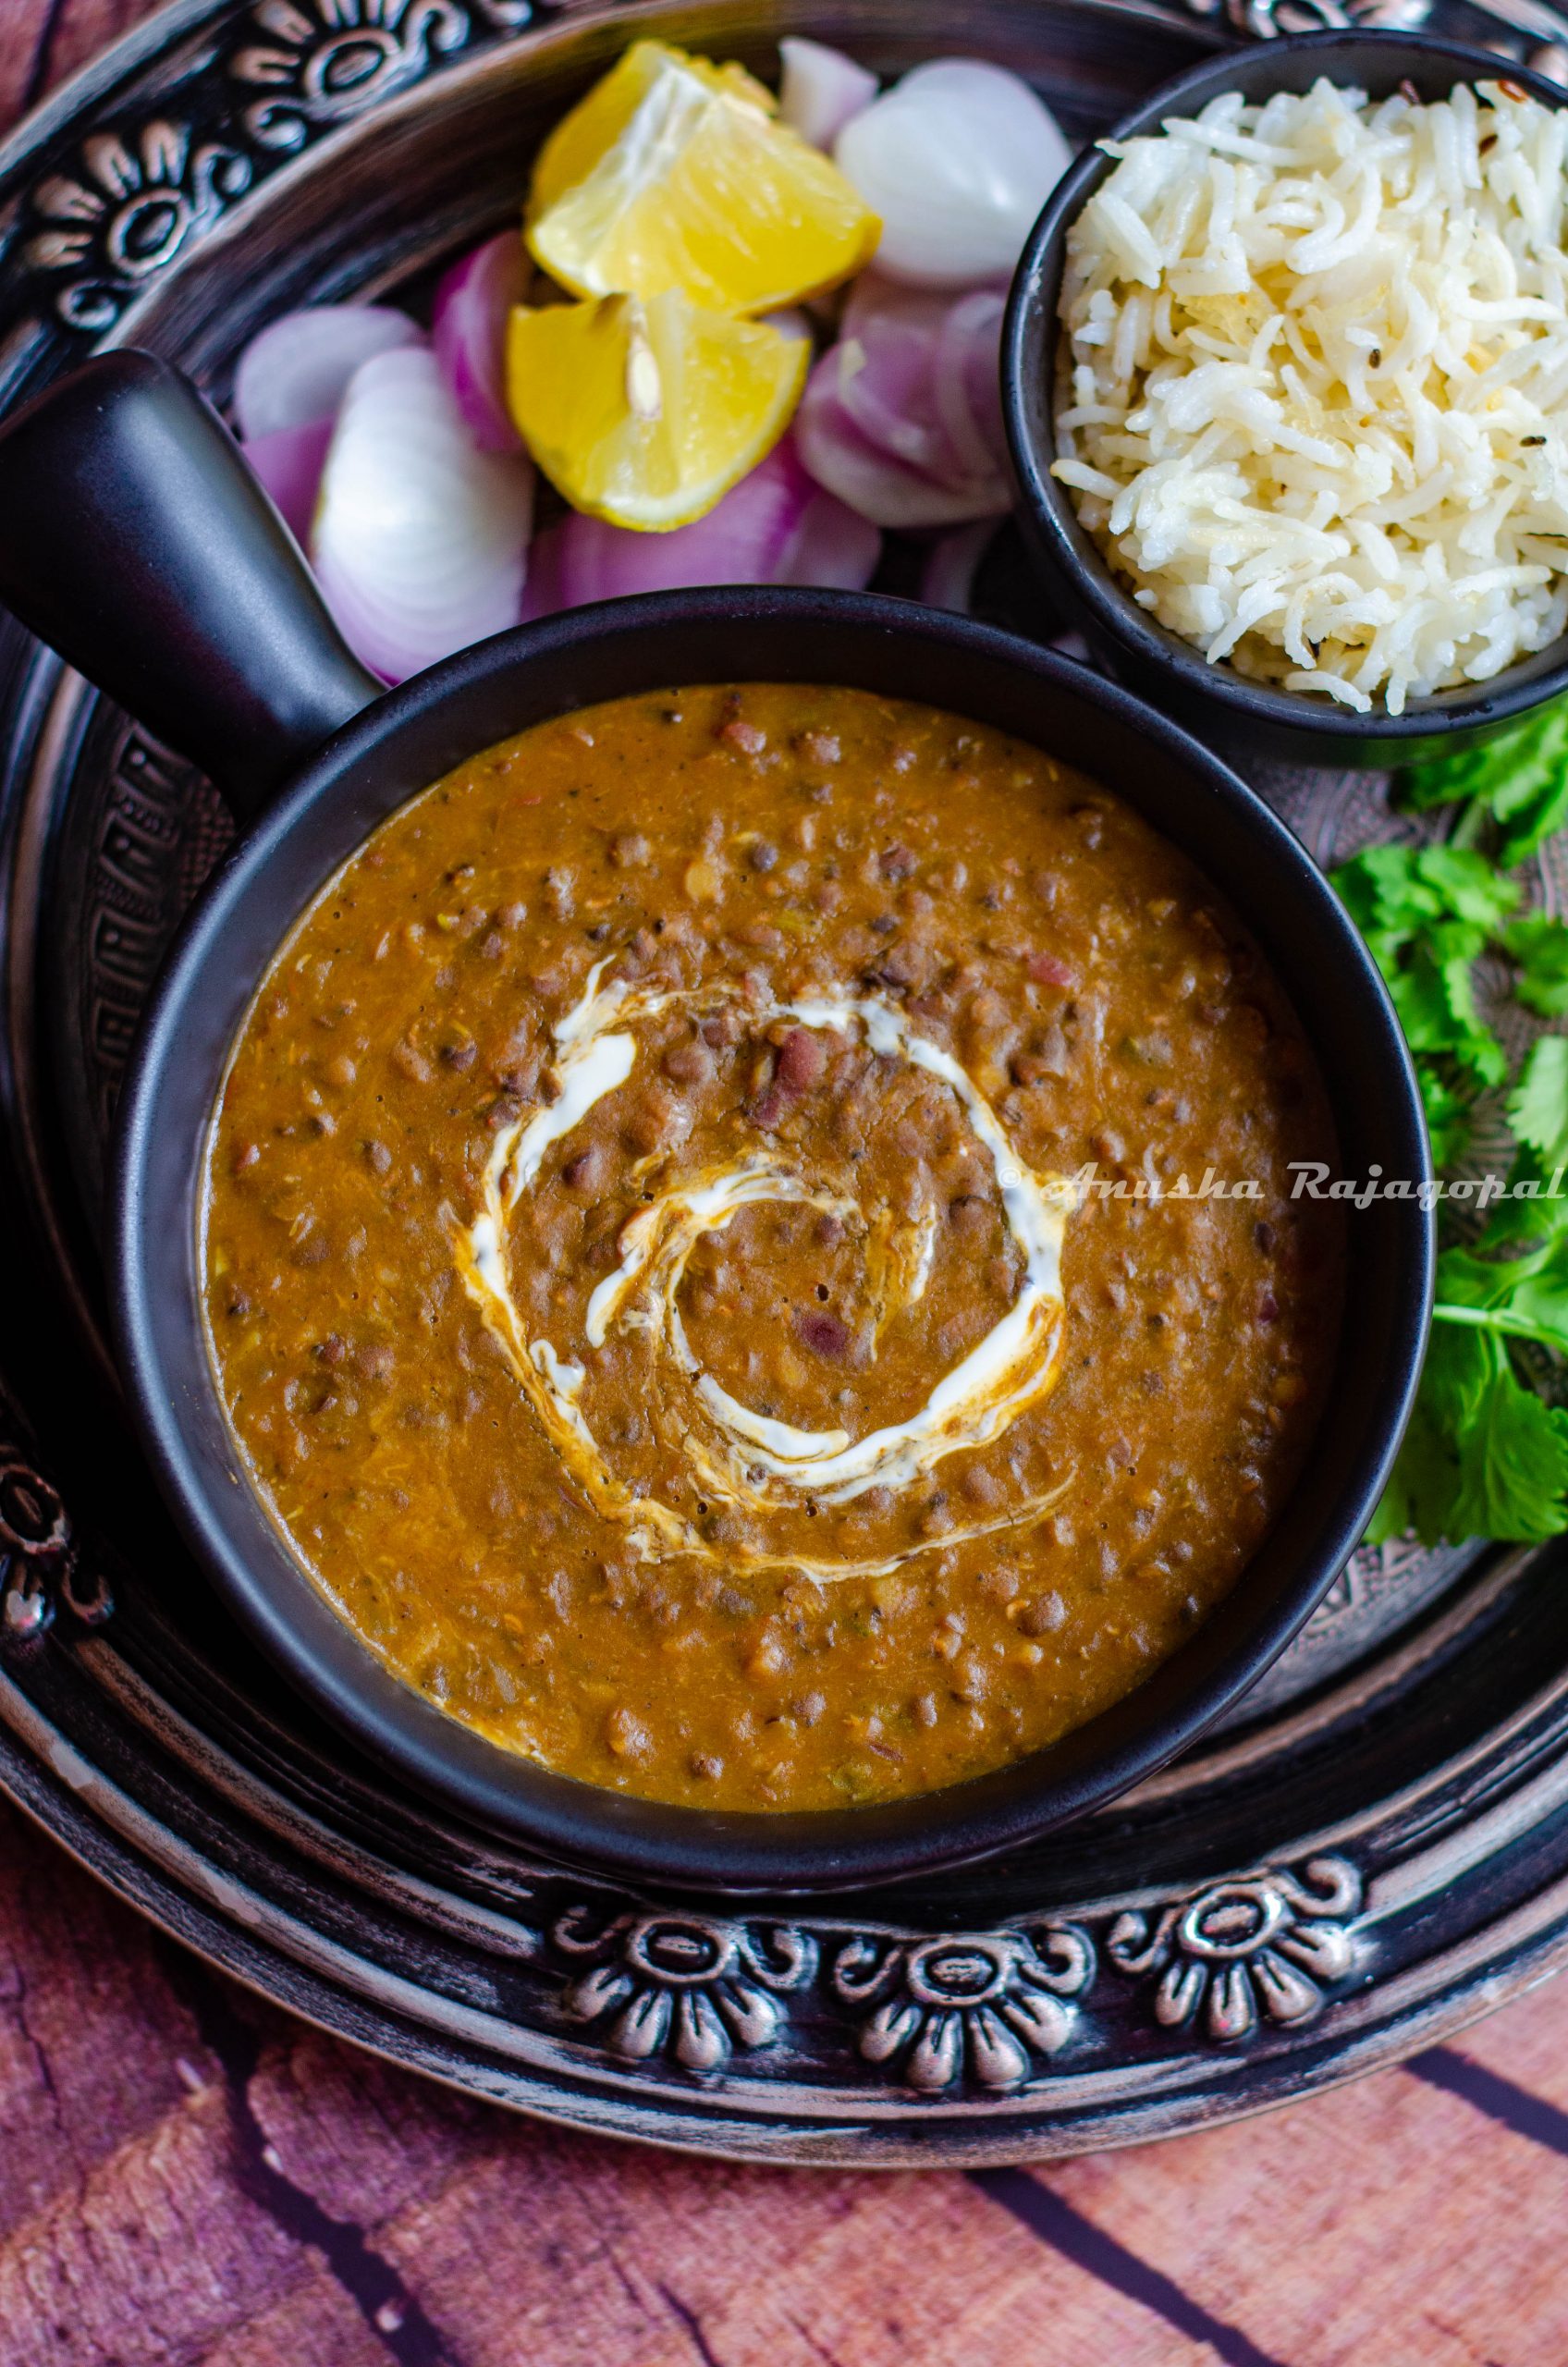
(735, 1453)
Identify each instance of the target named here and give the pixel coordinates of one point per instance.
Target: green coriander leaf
(1484, 1454)
(1391, 1516)
(1539, 945)
(1432, 987)
(1454, 952)
(1537, 1107)
(1484, 1457)
(1424, 1487)
(1522, 1297)
(1518, 781)
(1428, 915)
(1447, 1114)
(1537, 1113)
(1539, 1299)
(1359, 884)
(1399, 888)
(1532, 1213)
(1513, 1463)
(1464, 883)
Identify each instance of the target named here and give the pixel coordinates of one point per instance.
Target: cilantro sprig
(1484, 1454)
(1428, 915)
(1516, 786)
(1487, 1451)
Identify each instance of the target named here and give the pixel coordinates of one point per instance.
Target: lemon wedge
(673, 173)
(646, 414)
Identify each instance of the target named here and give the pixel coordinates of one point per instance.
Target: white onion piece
(767, 529)
(290, 462)
(958, 159)
(420, 541)
(947, 580)
(821, 89)
(468, 331)
(293, 373)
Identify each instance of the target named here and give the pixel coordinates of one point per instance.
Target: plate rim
(54, 1597)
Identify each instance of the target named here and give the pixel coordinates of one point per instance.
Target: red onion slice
(833, 549)
(775, 526)
(947, 580)
(293, 372)
(887, 341)
(895, 418)
(821, 90)
(469, 333)
(966, 381)
(845, 462)
(420, 541)
(290, 464)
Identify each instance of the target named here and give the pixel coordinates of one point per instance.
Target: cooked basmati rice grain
(1316, 412)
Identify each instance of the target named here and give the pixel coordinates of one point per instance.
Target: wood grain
(43, 41)
(190, 2176)
(187, 2177)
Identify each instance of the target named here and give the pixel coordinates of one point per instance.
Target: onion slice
(958, 159)
(420, 541)
(821, 90)
(888, 344)
(967, 381)
(294, 372)
(833, 548)
(775, 526)
(947, 580)
(469, 332)
(845, 463)
(290, 462)
(903, 417)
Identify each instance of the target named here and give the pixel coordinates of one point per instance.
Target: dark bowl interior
(1175, 676)
(394, 749)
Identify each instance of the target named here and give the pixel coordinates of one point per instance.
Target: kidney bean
(1043, 1616)
(581, 1173)
(626, 1735)
(822, 1333)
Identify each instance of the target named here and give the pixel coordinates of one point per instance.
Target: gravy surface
(652, 1273)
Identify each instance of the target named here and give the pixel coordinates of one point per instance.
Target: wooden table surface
(188, 2176)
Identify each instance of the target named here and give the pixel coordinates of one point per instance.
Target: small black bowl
(131, 533)
(1216, 701)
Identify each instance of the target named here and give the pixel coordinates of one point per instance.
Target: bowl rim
(291, 1617)
(1051, 520)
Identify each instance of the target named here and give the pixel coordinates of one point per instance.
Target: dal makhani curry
(653, 1276)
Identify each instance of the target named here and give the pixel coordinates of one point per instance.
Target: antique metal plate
(1377, 1847)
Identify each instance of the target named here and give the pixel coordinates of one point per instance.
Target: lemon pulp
(673, 173)
(645, 413)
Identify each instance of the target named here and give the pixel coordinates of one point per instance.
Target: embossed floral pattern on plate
(695, 1987)
(1268, 1944)
(986, 2003)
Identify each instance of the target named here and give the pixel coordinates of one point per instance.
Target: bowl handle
(134, 541)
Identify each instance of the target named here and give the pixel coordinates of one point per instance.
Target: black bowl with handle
(1248, 718)
(133, 538)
